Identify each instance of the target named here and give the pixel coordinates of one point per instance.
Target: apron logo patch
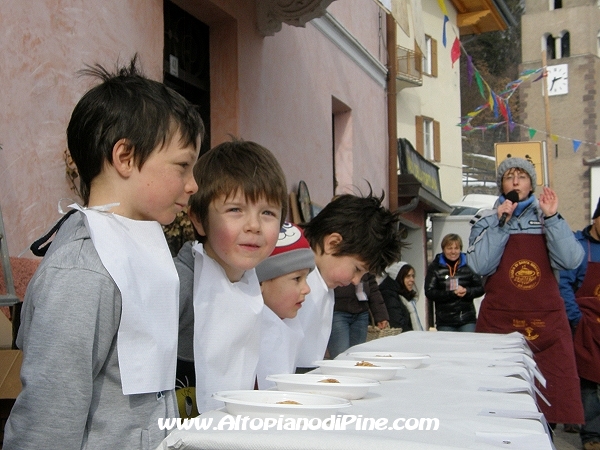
(524, 274)
(528, 331)
(529, 334)
(597, 291)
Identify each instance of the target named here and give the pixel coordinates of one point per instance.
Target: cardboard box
(10, 369)
(5, 332)
(10, 384)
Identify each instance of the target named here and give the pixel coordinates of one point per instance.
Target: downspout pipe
(390, 31)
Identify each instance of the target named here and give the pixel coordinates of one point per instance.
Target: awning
(411, 194)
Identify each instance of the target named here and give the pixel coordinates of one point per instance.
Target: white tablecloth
(479, 387)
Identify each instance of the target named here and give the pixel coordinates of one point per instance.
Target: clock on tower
(558, 79)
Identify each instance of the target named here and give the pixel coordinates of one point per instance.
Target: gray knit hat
(291, 253)
(521, 163)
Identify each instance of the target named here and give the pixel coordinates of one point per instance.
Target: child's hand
(548, 202)
(383, 324)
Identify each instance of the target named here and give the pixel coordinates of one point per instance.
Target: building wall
(279, 90)
(286, 103)
(572, 116)
(582, 23)
(42, 49)
(536, 6)
(438, 98)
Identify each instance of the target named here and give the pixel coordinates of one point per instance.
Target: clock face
(558, 79)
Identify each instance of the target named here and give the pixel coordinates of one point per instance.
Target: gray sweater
(184, 263)
(72, 396)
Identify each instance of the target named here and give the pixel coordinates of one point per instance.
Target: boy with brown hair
(99, 319)
(237, 213)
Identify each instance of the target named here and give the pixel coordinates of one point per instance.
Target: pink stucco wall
(276, 90)
(286, 85)
(44, 44)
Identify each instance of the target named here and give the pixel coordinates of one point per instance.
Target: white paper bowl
(351, 388)
(408, 360)
(349, 368)
(265, 404)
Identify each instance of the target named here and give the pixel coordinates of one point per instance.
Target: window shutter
(434, 62)
(418, 59)
(437, 156)
(419, 137)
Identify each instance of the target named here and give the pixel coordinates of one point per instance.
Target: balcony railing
(409, 66)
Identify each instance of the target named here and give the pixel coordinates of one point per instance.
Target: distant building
(569, 32)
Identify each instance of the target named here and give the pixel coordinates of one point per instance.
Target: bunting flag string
(496, 102)
(576, 143)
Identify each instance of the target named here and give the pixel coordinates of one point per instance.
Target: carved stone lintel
(271, 14)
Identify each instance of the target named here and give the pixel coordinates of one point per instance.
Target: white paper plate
(349, 368)
(267, 404)
(409, 360)
(351, 388)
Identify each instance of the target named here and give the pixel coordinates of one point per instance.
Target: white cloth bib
(279, 347)
(136, 255)
(227, 327)
(316, 317)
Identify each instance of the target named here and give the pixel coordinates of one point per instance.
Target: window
(565, 50)
(557, 47)
(550, 46)
(430, 57)
(341, 138)
(428, 138)
(555, 4)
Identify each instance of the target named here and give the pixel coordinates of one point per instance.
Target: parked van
(473, 203)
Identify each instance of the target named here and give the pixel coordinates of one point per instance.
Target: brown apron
(587, 334)
(523, 295)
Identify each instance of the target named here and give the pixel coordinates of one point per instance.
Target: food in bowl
(365, 364)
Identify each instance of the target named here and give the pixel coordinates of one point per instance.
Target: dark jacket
(346, 300)
(398, 312)
(451, 310)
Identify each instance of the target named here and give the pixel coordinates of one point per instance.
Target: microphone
(513, 196)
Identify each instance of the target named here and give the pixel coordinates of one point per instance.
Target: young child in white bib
(99, 320)
(237, 213)
(283, 284)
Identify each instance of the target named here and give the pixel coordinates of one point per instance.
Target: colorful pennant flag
(479, 81)
(443, 7)
(470, 70)
(455, 52)
(446, 19)
(576, 145)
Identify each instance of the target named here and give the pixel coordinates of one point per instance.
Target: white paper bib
(227, 327)
(136, 255)
(316, 317)
(279, 347)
